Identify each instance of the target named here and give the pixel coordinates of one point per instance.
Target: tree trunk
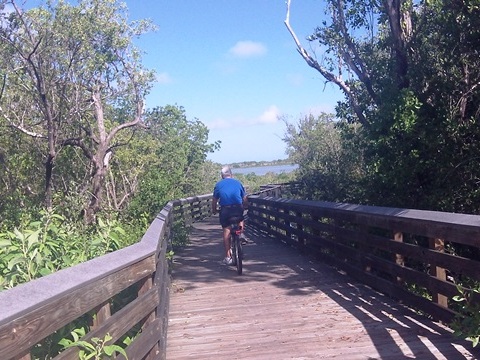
(98, 181)
(399, 18)
(48, 181)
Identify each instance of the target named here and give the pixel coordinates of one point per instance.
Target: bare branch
(27, 132)
(323, 71)
(361, 69)
(80, 144)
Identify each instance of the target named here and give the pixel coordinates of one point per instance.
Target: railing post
(314, 231)
(300, 231)
(363, 244)
(146, 285)
(102, 313)
(439, 272)
(399, 259)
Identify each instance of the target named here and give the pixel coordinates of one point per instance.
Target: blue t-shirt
(229, 191)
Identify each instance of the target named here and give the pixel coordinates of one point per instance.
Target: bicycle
(236, 243)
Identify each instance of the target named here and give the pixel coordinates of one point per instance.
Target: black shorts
(229, 211)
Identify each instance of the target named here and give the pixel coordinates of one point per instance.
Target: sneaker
(227, 261)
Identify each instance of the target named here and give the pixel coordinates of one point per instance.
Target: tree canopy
(410, 73)
(73, 79)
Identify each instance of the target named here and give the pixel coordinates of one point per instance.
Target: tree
(354, 55)
(74, 79)
(329, 168)
(412, 79)
(177, 165)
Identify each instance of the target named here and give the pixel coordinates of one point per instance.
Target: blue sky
(233, 65)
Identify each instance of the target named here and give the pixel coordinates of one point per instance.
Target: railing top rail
(18, 300)
(410, 215)
(191, 199)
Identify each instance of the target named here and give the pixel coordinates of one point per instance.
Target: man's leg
(226, 241)
(242, 234)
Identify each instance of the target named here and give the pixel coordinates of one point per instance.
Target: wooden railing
(418, 257)
(30, 312)
(407, 254)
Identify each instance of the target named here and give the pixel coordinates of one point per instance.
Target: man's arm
(245, 202)
(214, 205)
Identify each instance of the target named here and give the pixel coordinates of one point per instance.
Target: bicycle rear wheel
(238, 254)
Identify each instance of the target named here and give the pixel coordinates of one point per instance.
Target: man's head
(226, 172)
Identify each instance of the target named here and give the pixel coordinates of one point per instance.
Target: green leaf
(18, 234)
(475, 341)
(111, 349)
(33, 238)
(15, 261)
(5, 243)
(65, 342)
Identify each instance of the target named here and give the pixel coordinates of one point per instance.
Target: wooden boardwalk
(286, 306)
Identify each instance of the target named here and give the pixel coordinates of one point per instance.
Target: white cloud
(164, 78)
(246, 49)
(270, 115)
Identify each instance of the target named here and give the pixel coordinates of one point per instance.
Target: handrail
(34, 310)
(397, 251)
(404, 253)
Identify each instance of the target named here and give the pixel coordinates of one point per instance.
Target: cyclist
(231, 196)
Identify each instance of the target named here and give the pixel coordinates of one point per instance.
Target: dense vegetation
(84, 167)
(407, 134)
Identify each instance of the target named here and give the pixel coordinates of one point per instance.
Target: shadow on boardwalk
(286, 306)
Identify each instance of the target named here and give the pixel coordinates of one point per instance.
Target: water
(262, 170)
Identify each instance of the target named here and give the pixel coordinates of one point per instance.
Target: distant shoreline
(252, 164)
(262, 170)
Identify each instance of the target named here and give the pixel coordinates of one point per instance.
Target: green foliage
(176, 150)
(253, 182)
(40, 247)
(414, 90)
(95, 349)
(33, 251)
(180, 234)
(73, 84)
(330, 165)
(466, 323)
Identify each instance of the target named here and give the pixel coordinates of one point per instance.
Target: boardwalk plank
(287, 306)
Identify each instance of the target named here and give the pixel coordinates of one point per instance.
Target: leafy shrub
(467, 323)
(40, 247)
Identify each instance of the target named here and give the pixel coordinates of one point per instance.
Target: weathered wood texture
(30, 312)
(404, 253)
(288, 306)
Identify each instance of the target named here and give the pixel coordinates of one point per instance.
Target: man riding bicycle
(231, 196)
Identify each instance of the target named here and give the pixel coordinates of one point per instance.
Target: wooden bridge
(321, 280)
(289, 306)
